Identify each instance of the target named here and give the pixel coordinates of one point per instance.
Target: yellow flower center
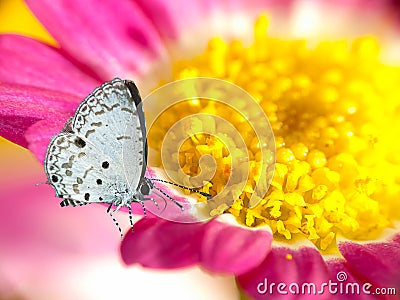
(333, 110)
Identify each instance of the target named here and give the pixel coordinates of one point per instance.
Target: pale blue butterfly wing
(101, 156)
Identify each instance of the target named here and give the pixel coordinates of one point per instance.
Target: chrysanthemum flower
(330, 92)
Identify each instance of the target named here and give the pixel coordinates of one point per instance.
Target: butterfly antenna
(170, 198)
(130, 216)
(183, 187)
(40, 183)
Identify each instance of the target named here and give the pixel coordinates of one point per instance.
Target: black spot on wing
(75, 188)
(124, 137)
(127, 110)
(90, 131)
(79, 142)
(87, 171)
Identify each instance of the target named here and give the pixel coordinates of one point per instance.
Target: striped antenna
(183, 187)
(169, 197)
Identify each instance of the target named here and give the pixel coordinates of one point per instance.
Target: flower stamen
(334, 111)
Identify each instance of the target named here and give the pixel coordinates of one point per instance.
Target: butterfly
(100, 156)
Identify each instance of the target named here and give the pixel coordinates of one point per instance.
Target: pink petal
(286, 266)
(33, 63)
(172, 18)
(111, 38)
(234, 249)
(162, 244)
(40, 134)
(22, 106)
(369, 5)
(376, 19)
(341, 275)
(169, 17)
(378, 263)
(190, 24)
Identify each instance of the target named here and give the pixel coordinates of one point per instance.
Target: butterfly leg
(130, 216)
(116, 223)
(144, 208)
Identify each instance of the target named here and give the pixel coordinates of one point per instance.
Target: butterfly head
(145, 186)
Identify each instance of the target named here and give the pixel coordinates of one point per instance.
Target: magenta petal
(233, 249)
(169, 17)
(341, 275)
(172, 18)
(162, 244)
(378, 263)
(30, 62)
(111, 38)
(286, 266)
(22, 106)
(40, 134)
